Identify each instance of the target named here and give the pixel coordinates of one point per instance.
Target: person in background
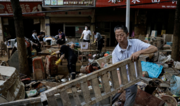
(28, 44)
(129, 48)
(71, 57)
(62, 36)
(98, 39)
(36, 43)
(86, 34)
(41, 36)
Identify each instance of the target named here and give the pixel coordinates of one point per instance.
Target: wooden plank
(139, 68)
(115, 91)
(96, 88)
(115, 80)
(105, 82)
(76, 96)
(30, 101)
(84, 78)
(123, 73)
(65, 98)
(132, 73)
(86, 92)
(52, 101)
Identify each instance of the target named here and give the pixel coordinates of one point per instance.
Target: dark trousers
(130, 95)
(60, 41)
(72, 66)
(86, 40)
(38, 48)
(100, 45)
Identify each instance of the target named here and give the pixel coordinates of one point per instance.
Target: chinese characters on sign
(134, 1)
(6, 8)
(64, 3)
(25, 8)
(155, 1)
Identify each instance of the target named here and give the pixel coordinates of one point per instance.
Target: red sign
(149, 4)
(6, 8)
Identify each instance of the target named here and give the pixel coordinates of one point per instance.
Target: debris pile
(160, 85)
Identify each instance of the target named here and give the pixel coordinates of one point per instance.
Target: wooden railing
(93, 80)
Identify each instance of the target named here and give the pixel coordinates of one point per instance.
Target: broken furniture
(104, 61)
(84, 94)
(38, 68)
(93, 77)
(11, 88)
(3, 49)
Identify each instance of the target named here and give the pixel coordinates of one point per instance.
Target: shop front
(30, 21)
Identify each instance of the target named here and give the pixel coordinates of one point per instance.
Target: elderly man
(129, 48)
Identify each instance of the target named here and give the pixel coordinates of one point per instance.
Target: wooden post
(176, 37)
(18, 22)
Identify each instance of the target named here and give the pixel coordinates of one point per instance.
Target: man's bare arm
(82, 36)
(150, 49)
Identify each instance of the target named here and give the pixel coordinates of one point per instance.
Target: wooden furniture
(48, 51)
(58, 95)
(84, 52)
(93, 78)
(3, 48)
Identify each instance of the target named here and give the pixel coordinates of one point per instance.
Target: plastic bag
(175, 85)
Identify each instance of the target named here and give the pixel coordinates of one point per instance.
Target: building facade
(103, 16)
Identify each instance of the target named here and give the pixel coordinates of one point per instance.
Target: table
(86, 51)
(55, 47)
(48, 51)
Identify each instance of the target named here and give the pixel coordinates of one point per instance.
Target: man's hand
(58, 61)
(121, 90)
(135, 56)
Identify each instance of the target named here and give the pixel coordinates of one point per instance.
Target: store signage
(149, 4)
(6, 8)
(68, 3)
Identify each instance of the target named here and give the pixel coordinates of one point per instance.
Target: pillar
(42, 25)
(47, 26)
(92, 27)
(1, 30)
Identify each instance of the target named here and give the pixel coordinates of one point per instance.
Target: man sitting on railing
(129, 48)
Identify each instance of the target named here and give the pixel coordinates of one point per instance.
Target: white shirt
(134, 45)
(86, 34)
(35, 37)
(25, 42)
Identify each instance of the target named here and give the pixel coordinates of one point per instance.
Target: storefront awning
(146, 4)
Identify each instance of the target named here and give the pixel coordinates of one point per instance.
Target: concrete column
(47, 26)
(1, 30)
(92, 27)
(42, 24)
